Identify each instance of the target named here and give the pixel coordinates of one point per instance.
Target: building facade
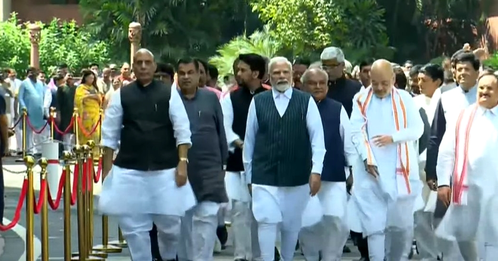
(40, 10)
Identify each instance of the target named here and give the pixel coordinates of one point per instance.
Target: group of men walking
(286, 157)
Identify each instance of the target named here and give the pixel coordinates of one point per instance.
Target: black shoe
(240, 259)
(222, 234)
(277, 255)
(346, 249)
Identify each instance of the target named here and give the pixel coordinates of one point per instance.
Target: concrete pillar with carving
(34, 37)
(135, 37)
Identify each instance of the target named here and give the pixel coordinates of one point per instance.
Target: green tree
(60, 43)
(307, 26)
(260, 42)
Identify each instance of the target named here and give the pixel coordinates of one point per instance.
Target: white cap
(332, 53)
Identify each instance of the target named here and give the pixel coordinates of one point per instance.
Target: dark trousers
(154, 245)
(2, 192)
(361, 243)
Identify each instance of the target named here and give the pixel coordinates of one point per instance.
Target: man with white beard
(467, 157)
(385, 124)
(283, 153)
(330, 235)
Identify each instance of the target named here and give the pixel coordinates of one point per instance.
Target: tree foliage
(260, 42)
(310, 25)
(61, 42)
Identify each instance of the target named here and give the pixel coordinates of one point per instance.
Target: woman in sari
(88, 101)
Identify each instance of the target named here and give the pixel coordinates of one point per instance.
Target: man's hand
(249, 187)
(371, 169)
(349, 182)
(444, 194)
(432, 184)
(181, 173)
(11, 132)
(239, 144)
(315, 183)
(106, 168)
(382, 140)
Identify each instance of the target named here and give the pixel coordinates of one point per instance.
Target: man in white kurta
(283, 158)
(430, 78)
(385, 123)
(147, 183)
(250, 69)
(467, 158)
(330, 234)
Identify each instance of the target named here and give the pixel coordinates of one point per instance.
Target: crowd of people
(306, 153)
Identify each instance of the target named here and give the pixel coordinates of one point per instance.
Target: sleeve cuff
(110, 144)
(317, 169)
(443, 181)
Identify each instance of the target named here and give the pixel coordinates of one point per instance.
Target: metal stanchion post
(83, 253)
(67, 205)
(30, 210)
(106, 245)
(121, 242)
(89, 199)
(24, 128)
(44, 212)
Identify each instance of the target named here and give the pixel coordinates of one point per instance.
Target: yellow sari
(89, 113)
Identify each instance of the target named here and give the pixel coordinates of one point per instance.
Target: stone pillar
(135, 37)
(34, 37)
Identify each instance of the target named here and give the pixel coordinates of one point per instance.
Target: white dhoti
(244, 227)
(140, 198)
(274, 206)
(331, 233)
(198, 230)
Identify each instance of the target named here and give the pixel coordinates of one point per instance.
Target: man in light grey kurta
(207, 157)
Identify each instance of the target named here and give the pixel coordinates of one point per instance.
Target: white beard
(282, 87)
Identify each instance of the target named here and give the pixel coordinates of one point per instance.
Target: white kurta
(235, 182)
(377, 200)
(131, 192)
(477, 218)
(268, 201)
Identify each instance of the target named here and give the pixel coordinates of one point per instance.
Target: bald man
(385, 124)
(147, 182)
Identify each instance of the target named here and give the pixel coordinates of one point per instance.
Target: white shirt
(345, 132)
(113, 120)
(313, 123)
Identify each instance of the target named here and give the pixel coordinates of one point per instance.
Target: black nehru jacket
(147, 136)
(343, 91)
(241, 99)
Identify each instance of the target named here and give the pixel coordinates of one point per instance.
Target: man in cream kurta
(467, 157)
(329, 236)
(385, 123)
(283, 153)
(148, 181)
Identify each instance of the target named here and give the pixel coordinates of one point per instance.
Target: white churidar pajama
(330, 235)
(244, 227)
(474, 219)
(385, 214)
(198, 228)
(281, 208)
(140, 198)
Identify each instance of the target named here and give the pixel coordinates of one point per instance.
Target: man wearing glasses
(341, 89)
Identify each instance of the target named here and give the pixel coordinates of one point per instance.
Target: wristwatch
(184, 159)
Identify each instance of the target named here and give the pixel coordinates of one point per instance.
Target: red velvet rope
(54, 204)
(84, 131)
(20, 203)
(43, 190)
(33, 128)
(67, 130)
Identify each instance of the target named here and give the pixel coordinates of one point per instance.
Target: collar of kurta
(287, 93)
(483, 110)
(466, 91)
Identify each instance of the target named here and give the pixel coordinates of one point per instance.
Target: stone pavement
(12, 244)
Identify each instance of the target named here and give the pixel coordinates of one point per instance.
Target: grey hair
(145, 50)
(305, 76)
(279, 59)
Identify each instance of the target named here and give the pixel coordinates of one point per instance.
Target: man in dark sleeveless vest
(148, 180)
(235, 104)
(283, 159)
(330, 235)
